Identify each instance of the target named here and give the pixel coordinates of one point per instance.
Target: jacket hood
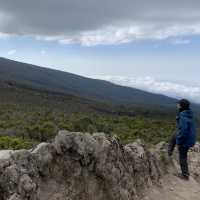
(187, 114)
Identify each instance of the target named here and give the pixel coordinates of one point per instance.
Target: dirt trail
(174, 188)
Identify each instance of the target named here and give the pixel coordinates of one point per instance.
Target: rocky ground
(80, 166)
(173, 188)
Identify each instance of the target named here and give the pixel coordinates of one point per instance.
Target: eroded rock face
(79, 166)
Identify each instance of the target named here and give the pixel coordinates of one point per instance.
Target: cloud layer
(150, 84)
(92, 22)
(12, 52)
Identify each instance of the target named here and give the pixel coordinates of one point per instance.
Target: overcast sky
(125, 41)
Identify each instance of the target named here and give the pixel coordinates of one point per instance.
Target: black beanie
(184, 103)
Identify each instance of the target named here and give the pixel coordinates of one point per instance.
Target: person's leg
(172, 144)
(183, 161)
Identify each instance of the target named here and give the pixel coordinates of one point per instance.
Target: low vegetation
(30, 117)
(16, 143)
(40, 126)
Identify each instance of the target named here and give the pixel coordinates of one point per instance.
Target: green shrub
(8, 142)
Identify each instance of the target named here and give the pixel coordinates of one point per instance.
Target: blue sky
(152, 46)
(165, 59)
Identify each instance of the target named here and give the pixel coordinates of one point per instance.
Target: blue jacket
(186, 135)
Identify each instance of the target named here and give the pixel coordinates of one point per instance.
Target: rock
(27, 188)
(15, 197)
(80, 166)
(5, 154)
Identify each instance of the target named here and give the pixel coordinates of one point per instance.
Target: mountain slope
(67, 83)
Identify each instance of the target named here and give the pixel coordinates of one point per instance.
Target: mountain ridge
(68, 83)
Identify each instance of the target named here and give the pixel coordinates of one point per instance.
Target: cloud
(43, 52)
(12, 52)
(3, 35)
(180, 41)
(92, 22)
(126, 34)
(171, 89)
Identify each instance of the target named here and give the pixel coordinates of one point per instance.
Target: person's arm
(182, 132)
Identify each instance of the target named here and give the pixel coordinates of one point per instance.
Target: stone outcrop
(80, 166)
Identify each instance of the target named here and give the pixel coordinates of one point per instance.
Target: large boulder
(81, 166)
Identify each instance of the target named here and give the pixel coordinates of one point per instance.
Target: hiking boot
(183, 177)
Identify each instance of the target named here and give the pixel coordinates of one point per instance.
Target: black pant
(183, 154)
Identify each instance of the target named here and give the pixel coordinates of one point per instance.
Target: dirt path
(173, 188)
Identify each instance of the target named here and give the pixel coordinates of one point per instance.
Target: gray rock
(80, 166)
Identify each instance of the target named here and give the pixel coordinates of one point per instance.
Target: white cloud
(94, 22)
(171, 89)
(43, 52)
(124, 34)
(180, 41)
(3, 35)
(12, 52)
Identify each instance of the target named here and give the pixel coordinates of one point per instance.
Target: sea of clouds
(150, 84)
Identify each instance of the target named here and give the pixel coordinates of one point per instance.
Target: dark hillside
(36, 102)
(67, 83)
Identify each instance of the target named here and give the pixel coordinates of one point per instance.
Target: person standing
(185, 138)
